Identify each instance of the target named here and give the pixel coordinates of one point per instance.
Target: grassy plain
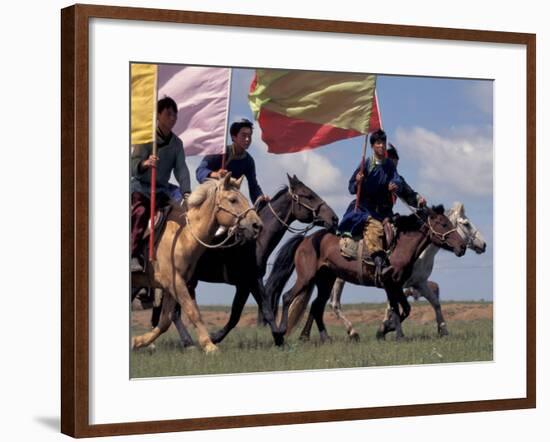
(249, 348)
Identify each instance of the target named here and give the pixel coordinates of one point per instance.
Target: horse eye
(233, 200)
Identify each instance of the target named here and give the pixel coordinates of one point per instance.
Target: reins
(231, 232)
(441, 236)
(296, 199)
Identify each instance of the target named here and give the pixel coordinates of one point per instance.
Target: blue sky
(443, 130)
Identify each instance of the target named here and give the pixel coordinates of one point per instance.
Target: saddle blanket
(349, 248)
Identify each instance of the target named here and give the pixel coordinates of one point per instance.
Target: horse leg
(324, 285)
(306, 331)
(239, 300)
(258, 291)
(386, 326)
(335, 298)
(191, 310)
(306, 268)
(430, 291)
(164, 323)
(185, 337)
(392, 321)
(301, 288)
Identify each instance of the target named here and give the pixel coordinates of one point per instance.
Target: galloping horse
(418, 284)
(182, 242)
(244, 266)
(318, 261)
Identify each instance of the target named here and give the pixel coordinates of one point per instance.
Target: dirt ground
(422, 313)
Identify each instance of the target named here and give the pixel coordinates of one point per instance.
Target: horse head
(466, 229)
(441, 230)
(234, 211)
(308, 207)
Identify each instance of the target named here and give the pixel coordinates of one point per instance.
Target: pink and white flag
(202, 97)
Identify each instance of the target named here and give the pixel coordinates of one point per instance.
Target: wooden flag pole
(362, 171)
(227, 115)
(153, 174)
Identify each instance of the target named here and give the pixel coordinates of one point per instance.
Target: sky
(443, 131)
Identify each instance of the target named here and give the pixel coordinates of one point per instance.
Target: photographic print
(283, 222)
(308, 220)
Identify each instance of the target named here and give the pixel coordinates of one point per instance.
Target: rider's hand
(150, 162)
(421, 201)
(359, 176)
(219, 174)
(392, 187)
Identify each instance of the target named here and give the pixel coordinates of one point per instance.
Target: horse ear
(459, 208)
(439, 209)
(226, 180)
(239, 182)
(291, 180)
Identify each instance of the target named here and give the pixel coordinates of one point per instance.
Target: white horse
(418, 284)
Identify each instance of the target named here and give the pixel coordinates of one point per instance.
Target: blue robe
(238, 166)
(375, 199)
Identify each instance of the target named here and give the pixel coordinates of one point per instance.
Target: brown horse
(184, 240)
(318, 262)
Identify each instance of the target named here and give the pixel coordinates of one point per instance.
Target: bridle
(231, 233)
(295, 198)
(468, 237)
(441, 236)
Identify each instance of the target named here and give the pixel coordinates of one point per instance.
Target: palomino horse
(318, 261)
(184, 240)
(418, 284)
(244, 266)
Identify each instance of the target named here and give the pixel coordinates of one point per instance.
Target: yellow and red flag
(300, 110)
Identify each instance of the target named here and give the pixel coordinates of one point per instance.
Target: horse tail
(297, 310)
(281, 271)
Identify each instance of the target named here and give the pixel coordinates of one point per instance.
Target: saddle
(172, 212)
(352, 248)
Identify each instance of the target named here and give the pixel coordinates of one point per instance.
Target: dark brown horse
(244, 266)
(318, 262)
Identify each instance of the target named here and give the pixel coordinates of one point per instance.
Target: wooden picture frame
(75, 216)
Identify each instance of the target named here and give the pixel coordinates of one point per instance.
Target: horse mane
(408, 223)
(263, 203)
(202, 193)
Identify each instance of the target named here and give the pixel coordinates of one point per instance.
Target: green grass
(251, 349)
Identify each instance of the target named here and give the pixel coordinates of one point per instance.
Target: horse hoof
(210, 348)
(380, 335)
(443, 331)
(215, 338)
(354, 337)
(304, 338)
(325, 338)
(135, 344)
(279, 339)
(152, 348)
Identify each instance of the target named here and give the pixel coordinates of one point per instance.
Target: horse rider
(410, 196)
(170, 158)
(237, 161)
(379, 180)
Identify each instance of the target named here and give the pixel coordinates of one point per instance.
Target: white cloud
(311, 167)
(460, 161)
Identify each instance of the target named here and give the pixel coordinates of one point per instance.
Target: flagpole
(153, 173)
(363, 157)
(227, 115)
(361, 171)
